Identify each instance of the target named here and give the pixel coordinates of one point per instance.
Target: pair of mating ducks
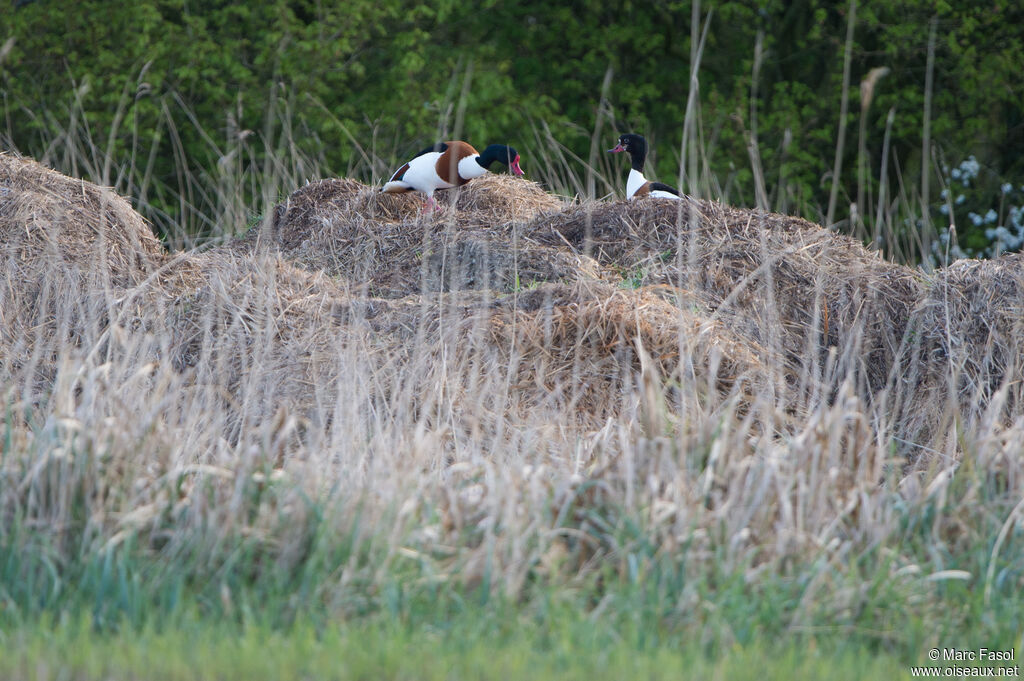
(453, 164)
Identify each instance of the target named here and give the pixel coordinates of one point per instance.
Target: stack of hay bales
(784, 283)
(72, 253)
(559, 309)
(579, 351)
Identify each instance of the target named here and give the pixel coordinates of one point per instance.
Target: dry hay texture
(387, 244)
(49, 221)
(573, 308)
(69, 250)
(588, 350)
(968, 325)
(782, 282)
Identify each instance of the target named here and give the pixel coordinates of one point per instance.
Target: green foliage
(191, 86)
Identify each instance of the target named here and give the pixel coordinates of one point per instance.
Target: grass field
(468, 647)
(528, 437)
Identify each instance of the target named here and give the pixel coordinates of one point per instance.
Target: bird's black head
(636, 145)
(502, 154)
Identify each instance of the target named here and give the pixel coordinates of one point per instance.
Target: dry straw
(964, 348)
(50, 221)
(782, 282)
(70, 251)
(389, 245)
(515, 369)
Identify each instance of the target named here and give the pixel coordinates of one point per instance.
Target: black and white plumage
(448, 164)
(636, 184)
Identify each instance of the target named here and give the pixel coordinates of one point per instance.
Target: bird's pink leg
(431, 204)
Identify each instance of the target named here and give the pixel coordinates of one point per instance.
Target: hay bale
(387, 245)
(267, 335)
(70, 251)
(489, 201)
(783, 282)
(965, 350)
(393, 260)
(49, 220)
(499, 199)
(309, 208)
(584, 350)
(492, 200)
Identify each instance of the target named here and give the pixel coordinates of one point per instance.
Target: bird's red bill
(515, 166)
(617, 149)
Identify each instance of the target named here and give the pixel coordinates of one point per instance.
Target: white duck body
(420, 175)
(423, 175)
(447, 165)
(637, 185)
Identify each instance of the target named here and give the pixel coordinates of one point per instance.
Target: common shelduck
(448, 164)
(637, 185)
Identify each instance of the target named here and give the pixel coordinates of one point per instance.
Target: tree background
(172, 87)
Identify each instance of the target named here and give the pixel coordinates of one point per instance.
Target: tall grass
(417, 480)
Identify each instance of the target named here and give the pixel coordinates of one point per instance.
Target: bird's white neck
(635, 180)
(469, 168)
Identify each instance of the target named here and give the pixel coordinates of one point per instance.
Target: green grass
(228, 610)
(570, 647)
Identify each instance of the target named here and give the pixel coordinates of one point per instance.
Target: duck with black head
(449, 164)
(637, 185)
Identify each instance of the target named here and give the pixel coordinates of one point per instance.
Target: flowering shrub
(988, 213)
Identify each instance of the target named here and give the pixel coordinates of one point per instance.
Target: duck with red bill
(636, 184)
(449, 164)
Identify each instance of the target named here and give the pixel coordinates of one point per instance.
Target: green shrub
(168, 89)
